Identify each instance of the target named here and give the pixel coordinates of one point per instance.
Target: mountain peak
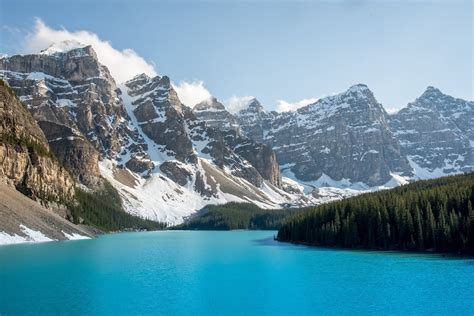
(209, 104)
(430, 90)
(358, 88)
(255, 105)
(142, 76)
(62, 47)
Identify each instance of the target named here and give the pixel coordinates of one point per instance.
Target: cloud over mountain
(123, 64)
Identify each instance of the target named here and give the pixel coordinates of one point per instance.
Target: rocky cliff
(215, 115)
(168, 160)
(436, 132)
(76, 102)
(27, 162)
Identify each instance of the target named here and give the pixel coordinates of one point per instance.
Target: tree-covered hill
(435, 215)
(236, 216)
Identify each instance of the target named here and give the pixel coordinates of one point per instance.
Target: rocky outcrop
(436, 132)
(71, 91)
(159, 114)
(254, 120)
(74, 151)
(177, 171)
(140, 164)
(26, 161)
(162, 117)
(215, 115)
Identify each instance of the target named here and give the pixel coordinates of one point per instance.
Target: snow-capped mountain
(167, 160)
(344, 137)
(215, 115)
(164, 161)
(76, 102)
(436, 133)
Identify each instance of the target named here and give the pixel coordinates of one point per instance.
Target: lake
(226, 273)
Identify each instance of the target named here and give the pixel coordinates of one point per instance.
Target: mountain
(254, 121)
(27, 161)
(164, 161)
(34, 186)
(167, 160)
(436, 133)
(215, 115)
(75, 100)
(343, 138)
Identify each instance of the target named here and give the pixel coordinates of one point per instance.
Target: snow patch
(74, 236)
(30, 236)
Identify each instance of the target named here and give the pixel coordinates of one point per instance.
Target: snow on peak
(140, 77)
(254, 105)
(62, 47)
(358, 88)
(432, 91)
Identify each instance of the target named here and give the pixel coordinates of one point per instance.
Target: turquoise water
(227, 273)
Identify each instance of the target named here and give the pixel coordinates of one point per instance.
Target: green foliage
(31, 144)
(103, 209)
(7, 87)
(236, 216)
(11, 92)
(431, 215)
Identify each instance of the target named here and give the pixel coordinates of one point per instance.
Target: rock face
(436, 132)
(168, 160)
(140, 136)
(345, 137)
(26, 161)
(175, 127)
(215, 115)
(70, 92)
(255, 121)
(159, 113)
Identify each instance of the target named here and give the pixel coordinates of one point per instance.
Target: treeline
(236, 216)
(435, 215)
(103, 209)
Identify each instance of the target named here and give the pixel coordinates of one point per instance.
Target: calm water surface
(227, 273)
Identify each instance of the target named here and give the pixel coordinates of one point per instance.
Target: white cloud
(122, 64)
(191, 93)
(234, 104)
(284, 106)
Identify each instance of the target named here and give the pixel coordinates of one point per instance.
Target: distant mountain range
(168, 160)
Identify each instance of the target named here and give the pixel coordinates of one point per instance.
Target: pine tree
(419, 229)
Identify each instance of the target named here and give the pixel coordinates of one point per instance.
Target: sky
(285, 53)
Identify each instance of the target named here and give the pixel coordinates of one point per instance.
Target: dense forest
(236, 216)
(435, 215)
(103, 209)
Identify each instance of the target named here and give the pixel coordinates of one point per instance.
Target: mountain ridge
(151, 147)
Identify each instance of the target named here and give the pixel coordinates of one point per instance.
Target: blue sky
(276, 50)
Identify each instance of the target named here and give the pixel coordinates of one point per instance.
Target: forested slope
(236, 216)
(434, 215)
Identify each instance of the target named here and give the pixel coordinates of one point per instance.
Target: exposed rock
(139, 164)
(176, 171)
(344, 136)
(254, 120)
(71, 90)
(17, 212)
(215, 115)
(160, 114)
(169, 123)
(74, 151)
(26, 161)
(436, 132)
